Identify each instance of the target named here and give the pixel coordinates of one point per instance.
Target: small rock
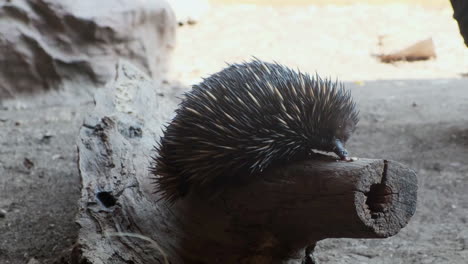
(3, 213)
(57, 156)
(28, 163)
(414, 104)
(437, 166)
(189, 11)
(45, 139)
(33, 261)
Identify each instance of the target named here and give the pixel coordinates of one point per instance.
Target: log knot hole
(379, 198)
(106, 198)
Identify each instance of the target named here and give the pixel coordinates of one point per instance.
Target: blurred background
(336, 38)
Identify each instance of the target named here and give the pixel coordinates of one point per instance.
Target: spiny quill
(244, 119)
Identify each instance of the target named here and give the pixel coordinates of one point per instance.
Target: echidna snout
(340, 150)
(246, 118)
(335, 145)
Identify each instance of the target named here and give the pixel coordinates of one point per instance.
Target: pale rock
(54, 44)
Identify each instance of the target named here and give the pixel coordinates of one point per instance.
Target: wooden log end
(389, 205)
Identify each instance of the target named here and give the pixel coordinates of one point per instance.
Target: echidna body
(246, 118)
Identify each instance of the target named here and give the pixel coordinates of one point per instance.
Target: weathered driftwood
(276, 218)
(421, 50)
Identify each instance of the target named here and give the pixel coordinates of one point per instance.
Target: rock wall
(50, 44)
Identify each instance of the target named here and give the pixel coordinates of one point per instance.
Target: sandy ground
(335, 41)
(414, 113)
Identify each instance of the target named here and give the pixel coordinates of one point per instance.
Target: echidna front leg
(340, 150)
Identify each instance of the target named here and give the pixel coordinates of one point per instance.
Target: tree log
(275, 218)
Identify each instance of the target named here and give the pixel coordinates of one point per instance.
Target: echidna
(246, 118)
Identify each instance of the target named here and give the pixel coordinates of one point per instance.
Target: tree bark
(276, 218)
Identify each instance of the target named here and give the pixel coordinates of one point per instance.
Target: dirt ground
(414, 113)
